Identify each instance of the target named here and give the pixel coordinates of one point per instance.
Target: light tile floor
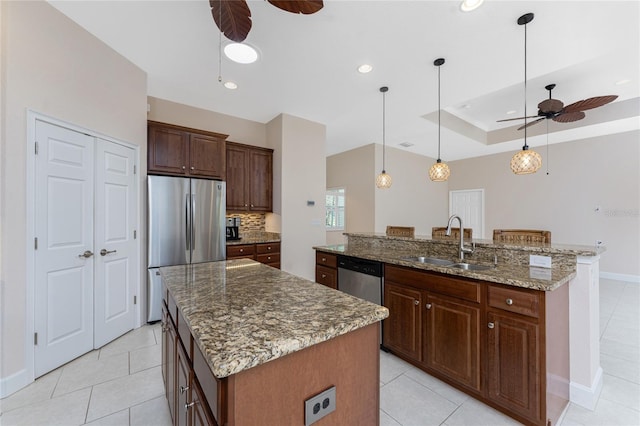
(121, 384)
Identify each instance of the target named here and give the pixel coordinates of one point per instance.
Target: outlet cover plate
(540, 261)
(319, 406)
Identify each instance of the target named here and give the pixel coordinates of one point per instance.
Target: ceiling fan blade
(531, 123)
(306, 7)
(517, 118)
(232, 17)
(590, 103)
(550, 105)
(569, 117)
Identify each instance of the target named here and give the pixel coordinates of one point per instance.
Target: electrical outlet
(319, 406)
(541, 261)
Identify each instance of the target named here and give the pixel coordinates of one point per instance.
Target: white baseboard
(587, 397)
(14, 383)
(620, 277)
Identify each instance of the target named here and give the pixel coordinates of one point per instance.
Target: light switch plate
(540, 261)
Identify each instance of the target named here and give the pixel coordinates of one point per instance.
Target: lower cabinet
(327, 269)
(488, 340)
(267, 253)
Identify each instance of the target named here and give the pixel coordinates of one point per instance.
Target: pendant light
(383, 181)
(439, 172)
(526, 161)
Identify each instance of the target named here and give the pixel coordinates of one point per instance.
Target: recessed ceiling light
(469, 5)
(513, 111)
(623, 81)
(230, 85)
(365, 68)
(241, 53)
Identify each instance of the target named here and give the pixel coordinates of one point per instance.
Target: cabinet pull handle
(509, 302)
(184, 167)
(491, 325)
(324, 259)
(189, 405)
(241, 250)
(324, 276)
(193, 168)
(268, 257)
(428, 305)
(183, 389)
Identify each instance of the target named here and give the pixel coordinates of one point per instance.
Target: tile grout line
(86, 412)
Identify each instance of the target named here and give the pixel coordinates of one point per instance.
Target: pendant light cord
(439, 113)
(384, 95)
(525, 88)
(220, 45)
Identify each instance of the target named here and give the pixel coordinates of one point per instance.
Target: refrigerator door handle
(193, 222)
(187, 220)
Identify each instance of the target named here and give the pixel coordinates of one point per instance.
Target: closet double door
(86, 262)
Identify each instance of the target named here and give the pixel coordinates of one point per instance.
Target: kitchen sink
(429, 260)
(470, 267)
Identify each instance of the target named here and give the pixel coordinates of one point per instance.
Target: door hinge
(135, 234)
(36, 148)
(135, 300)
(35, 338)
(35, 243)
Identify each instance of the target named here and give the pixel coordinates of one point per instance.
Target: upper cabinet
(180, 151)
(249, 178)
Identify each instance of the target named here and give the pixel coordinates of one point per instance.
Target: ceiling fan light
(365, 68)
(525, 162)
(469, 5)
(383, 181)
(230, 85)
(241, 53)
(439, 172)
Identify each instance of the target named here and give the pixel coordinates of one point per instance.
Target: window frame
(336, 209)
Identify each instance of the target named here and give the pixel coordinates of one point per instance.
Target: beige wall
(302, 172)
(354, 171)
(239, 130)
(602, 171)
(413, 199)
(54, 67)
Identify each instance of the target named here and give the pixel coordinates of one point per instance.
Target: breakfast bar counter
(270, 341)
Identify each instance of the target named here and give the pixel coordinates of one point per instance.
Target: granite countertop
(504, 273)
(255, 237)
(242, 313)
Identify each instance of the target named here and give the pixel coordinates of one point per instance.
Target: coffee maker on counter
(233, 228)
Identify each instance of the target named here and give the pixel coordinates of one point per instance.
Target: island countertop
(242, 313)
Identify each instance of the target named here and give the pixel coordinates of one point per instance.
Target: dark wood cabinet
(403, 328)
(183, 382)
(267, 253)
(249, 176)
(180, 151)
(452, 339)
(327, 269)
(169, 359)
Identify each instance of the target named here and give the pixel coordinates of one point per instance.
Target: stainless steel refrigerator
(186, 220)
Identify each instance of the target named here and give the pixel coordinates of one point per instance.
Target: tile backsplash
(250, 221)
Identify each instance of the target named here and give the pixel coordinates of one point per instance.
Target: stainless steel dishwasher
(361, 278)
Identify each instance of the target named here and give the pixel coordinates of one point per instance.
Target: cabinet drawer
(439, 283)
(326, 276)
(329, 260)
(245, 250)
(269, 258)
(268, 248)
(525, 302)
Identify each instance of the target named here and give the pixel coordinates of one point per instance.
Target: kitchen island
(247, 344)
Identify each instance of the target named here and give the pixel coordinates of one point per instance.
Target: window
(335, 209)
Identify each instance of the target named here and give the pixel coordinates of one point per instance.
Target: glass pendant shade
(525, 162)
(383, 181)
(439, 172)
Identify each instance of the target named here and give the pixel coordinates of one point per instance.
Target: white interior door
(116, 257)
(469, 205)
(64, 228)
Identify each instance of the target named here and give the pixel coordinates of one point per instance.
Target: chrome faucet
(462, 250)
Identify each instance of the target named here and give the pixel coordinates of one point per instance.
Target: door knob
(87, 254)
(105, 252)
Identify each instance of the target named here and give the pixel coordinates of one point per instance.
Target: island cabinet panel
(169, 336)
(452, 339)
(181, 151)
(249, 177)
(327, 269)
(402, 329)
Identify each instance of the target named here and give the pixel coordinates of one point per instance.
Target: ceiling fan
(233, 17)
(555, 110)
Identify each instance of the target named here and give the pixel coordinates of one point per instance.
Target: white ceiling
(307, 66)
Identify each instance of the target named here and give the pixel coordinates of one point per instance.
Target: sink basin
(470, 267)
(429, 260)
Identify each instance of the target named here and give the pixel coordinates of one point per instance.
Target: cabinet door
(237, 182)
(514, 364)
(452, 339)
(402, 329)
(200, 415)
(207, 156)
(167, 150)
(183, 380)
(327, 276)
(260, 180)
(169, 366)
